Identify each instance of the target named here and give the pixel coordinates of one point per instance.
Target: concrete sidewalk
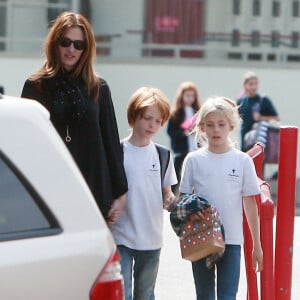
(175, 279)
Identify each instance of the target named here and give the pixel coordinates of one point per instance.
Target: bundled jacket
(189, 204)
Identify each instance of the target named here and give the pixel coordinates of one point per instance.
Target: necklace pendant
(68, 137)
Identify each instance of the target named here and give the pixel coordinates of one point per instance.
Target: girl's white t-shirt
(141, 224)
(222, 179)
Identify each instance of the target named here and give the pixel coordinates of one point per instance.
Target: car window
(22, 212)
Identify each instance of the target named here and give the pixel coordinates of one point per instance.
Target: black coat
(95, 143)
(178, 138)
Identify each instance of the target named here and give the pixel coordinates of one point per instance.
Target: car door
(54, 243)
(38, 259)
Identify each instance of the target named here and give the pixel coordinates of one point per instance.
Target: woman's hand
(116, 209)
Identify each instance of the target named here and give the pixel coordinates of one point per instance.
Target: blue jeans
(228, 276)
(142, 265)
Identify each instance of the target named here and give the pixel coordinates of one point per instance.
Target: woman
(81, 109)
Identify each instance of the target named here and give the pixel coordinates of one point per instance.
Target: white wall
(280, 84)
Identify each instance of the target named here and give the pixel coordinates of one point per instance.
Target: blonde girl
(226, 177)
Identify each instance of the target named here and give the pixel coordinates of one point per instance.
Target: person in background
(253, 107)
(81, 109)
(1, 89)
(226, 177)
(181, 124)
(138, 233)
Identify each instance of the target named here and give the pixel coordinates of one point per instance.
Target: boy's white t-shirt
(222, 179)
(141, 224)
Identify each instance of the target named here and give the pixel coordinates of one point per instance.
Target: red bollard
(266, 212)
(257, 154)
(252, 290)
(285, 212)
(266, 237)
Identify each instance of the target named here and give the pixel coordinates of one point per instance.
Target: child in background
(253, 107)
(226, 177)
(181, 123)
(138, 233)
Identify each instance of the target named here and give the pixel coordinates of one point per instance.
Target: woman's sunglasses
(78, 45)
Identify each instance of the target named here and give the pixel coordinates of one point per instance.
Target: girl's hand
(257, 259)
(196, 216)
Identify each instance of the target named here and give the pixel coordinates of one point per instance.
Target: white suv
(54, 243)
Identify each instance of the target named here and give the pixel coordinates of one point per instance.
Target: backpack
(164, 158)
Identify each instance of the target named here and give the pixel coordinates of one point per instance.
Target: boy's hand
(169, 198)
(170, 202)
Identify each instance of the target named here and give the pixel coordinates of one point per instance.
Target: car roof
(30, 141)
(22, 105)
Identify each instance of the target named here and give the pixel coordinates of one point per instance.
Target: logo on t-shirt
(233, 175)
(153, 169)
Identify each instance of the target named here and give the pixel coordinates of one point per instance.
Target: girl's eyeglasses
(78, 44)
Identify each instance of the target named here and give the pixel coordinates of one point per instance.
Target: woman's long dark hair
(84, 67)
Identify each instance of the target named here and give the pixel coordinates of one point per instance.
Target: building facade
(164, 42)
(209, 31)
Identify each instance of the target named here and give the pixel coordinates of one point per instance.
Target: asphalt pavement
(175, 279)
